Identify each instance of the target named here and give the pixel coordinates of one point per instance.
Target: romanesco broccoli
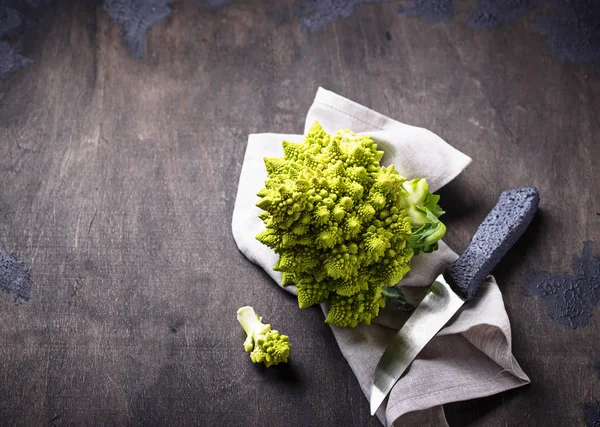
(268, 346)
(344, 227)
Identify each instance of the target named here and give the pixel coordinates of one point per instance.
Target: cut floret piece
(265, 345)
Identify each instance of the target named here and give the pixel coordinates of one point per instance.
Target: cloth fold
(471, 357)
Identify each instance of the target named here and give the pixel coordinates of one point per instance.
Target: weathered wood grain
(117, 183)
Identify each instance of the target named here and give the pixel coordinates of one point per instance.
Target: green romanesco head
(271, 349)
(343, 226)
(266, 345)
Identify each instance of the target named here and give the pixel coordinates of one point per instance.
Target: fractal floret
(265, 345)
(344, 227)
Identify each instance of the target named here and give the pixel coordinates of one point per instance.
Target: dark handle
(495, 236)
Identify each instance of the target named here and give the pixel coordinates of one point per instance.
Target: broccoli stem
(252, 325)
(394, 294)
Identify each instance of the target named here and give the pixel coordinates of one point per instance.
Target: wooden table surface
(118, 178)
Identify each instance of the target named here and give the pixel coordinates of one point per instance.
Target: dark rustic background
(118, 178)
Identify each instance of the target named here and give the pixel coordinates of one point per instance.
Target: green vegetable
(423, 210)
(344, 227)
(267, 345)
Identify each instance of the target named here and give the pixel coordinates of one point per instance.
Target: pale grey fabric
(471, 356)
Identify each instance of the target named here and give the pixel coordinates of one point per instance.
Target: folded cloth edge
(373, 119)
(509, 377)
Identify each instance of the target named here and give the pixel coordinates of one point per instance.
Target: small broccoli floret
(266, 345)
(344, 227)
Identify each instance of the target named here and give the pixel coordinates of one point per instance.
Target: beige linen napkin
(471, 357)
